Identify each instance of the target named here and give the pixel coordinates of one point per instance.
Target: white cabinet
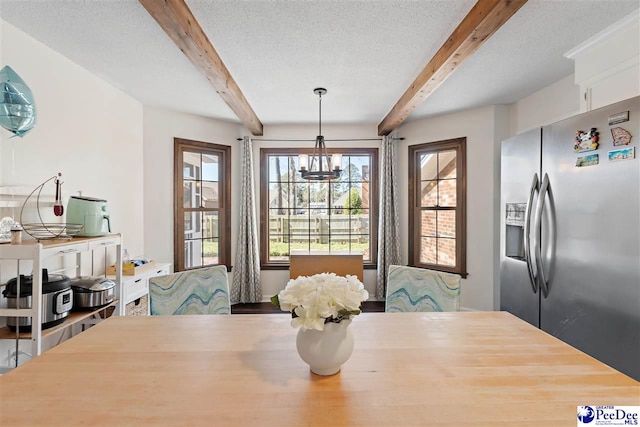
(135, 287)
(72, 257)
(607, 66)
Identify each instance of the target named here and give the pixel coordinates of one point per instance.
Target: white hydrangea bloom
(322, 296)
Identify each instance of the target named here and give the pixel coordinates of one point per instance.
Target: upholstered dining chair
(417, 289)
(199, 291)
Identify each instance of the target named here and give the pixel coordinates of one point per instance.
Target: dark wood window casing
(202, 204)
(296, 221)
(437, 206)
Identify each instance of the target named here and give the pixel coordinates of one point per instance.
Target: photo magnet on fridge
(586, 141)
(590, 160)
(623, 154)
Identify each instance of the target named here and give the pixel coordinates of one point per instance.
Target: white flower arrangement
(321, 298)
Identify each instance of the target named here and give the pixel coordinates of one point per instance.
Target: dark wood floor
(267, 307)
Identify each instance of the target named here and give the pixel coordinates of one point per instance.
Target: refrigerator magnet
(586, 141)
(619, 118)
(622, 154)
(620, 136)
(590, 160)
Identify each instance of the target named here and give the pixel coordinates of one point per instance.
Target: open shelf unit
(37, 254)
(73, 318)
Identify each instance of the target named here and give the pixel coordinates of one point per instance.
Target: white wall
(478, 126)
(160, 127)
(86, 129)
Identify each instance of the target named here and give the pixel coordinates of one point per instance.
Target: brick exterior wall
(438, 227)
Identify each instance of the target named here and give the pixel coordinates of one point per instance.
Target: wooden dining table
(407, 369)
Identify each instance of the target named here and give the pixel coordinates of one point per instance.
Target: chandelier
(322, 167)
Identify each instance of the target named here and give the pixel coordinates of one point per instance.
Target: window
(337, 215)
(202, 200)
(437, 213)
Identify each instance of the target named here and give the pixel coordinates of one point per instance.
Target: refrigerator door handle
(544, 189)
(527, 232)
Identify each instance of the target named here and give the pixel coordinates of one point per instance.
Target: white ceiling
(365, 52)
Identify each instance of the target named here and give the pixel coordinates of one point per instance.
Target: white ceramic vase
(325, 351)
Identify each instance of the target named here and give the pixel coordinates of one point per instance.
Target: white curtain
(388, 240)
(246, 270)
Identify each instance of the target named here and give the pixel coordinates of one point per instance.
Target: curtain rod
(313, 140)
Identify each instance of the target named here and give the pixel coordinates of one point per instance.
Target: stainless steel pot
(57, 299)
(92, 292)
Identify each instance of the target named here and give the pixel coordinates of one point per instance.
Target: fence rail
(302, 228)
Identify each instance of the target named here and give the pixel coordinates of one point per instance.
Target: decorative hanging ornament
(17, 106)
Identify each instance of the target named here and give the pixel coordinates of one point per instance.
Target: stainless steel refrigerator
(570, 232)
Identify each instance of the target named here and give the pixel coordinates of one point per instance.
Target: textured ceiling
(366, 53)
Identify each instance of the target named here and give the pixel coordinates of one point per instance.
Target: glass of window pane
(279, 169)
(210, 169)
(360, 243)
(300, 197)
(190, 165)
(338, 189)
(447, 224)
(193, 253)
(278, 247)
(359, 222)
(447, 252)
(319, 195)
(340, 242)
(447, 164)
(320, 245)
(319, 223)
(447, 196)
(278, 222)
(297, 244)
(279, 196)
(210, 251)
(299, 226)
(210, 225)
(210, 195)
(191, 194)
(427, 250)
(428, 223)
(192, 225)
(428, 193)
(428, 166)
(355, 167)
(339, 222)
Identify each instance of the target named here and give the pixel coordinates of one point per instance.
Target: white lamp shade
(336, 161)
(303, 160)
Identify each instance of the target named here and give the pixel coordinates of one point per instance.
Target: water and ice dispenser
(514, 244)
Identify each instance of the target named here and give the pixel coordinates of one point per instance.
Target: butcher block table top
(407, 369)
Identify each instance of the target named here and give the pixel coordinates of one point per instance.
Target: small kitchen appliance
(92, 213)
(57, 299)
(92, 292)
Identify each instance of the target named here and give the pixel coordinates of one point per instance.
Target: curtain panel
(388, 234)
(246, 285)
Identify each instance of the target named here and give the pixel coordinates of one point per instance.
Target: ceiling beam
(176, 19)
(481, 22)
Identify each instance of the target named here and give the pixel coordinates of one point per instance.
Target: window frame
(415, 208)
(224, 208)
(374, 190)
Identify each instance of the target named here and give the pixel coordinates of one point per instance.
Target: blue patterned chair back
(417, 289)
(199, 291)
